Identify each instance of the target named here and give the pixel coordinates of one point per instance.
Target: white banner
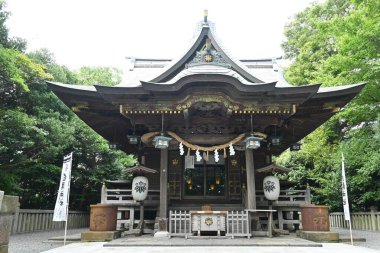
(344, 193)
(61, 206)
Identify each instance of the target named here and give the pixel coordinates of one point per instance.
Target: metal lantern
(252, 142)
(133, 139)
(112, 145)
(161, 141)
(275, 141)
(295, 147)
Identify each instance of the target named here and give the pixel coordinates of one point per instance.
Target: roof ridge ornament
(205, 15)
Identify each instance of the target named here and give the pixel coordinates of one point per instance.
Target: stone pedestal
(8, 207)
(319, 236)
(163, 224)
(100, 236)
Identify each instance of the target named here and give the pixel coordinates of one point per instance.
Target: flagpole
(352, 240)
(68, 197)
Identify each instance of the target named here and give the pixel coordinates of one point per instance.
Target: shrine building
(208, 124)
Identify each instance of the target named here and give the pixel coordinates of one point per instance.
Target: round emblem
(208, 58)
(209, 221)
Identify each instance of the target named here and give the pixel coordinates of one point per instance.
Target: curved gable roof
(206, 33)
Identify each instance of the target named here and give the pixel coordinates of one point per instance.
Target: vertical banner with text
(61, 206)
(344, 193)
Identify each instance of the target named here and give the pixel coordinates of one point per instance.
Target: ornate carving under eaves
(207, 102)
(208, 55)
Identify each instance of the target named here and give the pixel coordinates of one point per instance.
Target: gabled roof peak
(206, 50)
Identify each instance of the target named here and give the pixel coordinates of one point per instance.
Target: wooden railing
(124, 197)
(30, 220)
(179, 223)
(238, 224)
(286, 198)
(359, 220)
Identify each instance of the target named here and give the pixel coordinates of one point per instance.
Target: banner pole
(352, 240)
(346, 207)
(68, 198)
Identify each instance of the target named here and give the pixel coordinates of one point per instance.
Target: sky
(103, 33)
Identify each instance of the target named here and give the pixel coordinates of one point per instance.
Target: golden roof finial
(205, 14)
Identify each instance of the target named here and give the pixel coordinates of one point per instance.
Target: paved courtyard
(39, 242)
(97, 248)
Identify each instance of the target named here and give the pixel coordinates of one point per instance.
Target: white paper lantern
(271, 187)
(140, 187)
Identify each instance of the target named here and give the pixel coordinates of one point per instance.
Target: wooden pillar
(163, 221)
(251, 186)
(164, 184)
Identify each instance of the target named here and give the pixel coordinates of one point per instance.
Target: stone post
(8, 207)
(103, 194)
(373, 218)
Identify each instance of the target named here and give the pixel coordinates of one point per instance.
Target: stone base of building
(319, 236)
(100, 236)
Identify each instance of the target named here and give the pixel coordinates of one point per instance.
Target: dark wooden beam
(251, 186)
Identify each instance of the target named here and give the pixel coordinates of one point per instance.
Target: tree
(99, 75)
(338, 42)
(60, 73)
(37, 129)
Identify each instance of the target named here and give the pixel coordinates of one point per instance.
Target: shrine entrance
(207, 180)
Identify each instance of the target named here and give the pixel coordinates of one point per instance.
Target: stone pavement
(38, 241)
(372, 238)
(97, 247)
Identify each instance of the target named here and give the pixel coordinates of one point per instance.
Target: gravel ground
(372, 238)
(37, 242)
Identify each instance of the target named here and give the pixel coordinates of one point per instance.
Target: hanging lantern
(252, 142)
(275, 141)
(161, 141)
(295, 147)
(212, 187)
(271, 187)
(140, 187)
(112, 145)
(217, 181)
(133, 139)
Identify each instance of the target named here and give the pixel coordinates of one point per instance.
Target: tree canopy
(337, 43)
(37, 129)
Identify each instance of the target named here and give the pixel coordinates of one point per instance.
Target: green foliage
(37, 130)
(338, 42)
(60, 73)
(99, 75)
(85, 76)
